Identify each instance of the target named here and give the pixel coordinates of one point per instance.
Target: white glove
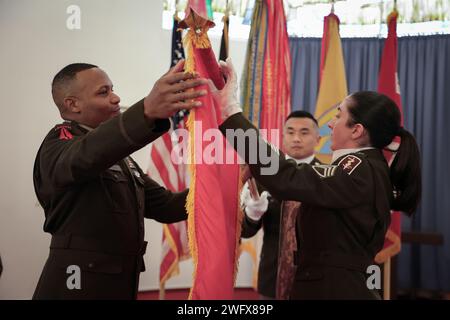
(227, 97)
(254, 209)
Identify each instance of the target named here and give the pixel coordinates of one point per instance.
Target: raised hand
(227, 97)
(173, 92)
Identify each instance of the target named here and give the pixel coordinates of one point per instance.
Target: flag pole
(253, 189)
(224, 46)
(162, 291)
(387, 280)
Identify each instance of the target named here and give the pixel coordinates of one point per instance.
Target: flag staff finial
(227, 11)
(176, 10)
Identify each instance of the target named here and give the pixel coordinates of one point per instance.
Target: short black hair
(64, 76)
(302, 114)
(70, 71)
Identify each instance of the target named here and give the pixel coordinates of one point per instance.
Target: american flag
(172, 176)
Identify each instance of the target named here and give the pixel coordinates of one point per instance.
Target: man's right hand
(254, 209)
(171, 93)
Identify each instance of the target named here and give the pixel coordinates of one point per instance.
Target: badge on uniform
(349, 163)
(136, 173)
(64, 133)
(132, 167)
(324, 170)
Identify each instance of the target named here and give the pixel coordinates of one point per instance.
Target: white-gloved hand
(227, 97)
(254, 209)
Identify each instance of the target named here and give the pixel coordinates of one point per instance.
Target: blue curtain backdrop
(424, 75)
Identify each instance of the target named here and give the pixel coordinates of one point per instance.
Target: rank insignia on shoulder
(136, 173)
(64, 133)
(349, 163)
(130, 163)
(324, 170)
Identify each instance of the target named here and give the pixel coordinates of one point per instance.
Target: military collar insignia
(349, 163)
(64, 133)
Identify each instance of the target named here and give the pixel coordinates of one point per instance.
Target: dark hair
(64, 76)
(381, 117)
(70, 71)
(301, 114)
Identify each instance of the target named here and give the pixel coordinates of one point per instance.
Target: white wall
(125, 38)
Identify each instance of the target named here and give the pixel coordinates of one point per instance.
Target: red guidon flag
(214, 217)
(388, 84)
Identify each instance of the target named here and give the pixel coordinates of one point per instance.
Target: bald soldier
(94, 195)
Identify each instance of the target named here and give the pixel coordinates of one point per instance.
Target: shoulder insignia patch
(325, 171)
(64, 133)
(349, 163)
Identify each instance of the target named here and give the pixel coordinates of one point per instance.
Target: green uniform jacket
(343, 218)
(95, 199)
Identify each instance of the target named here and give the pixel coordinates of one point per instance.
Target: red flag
(388, 84)
(213, 207)
(201, 7)
(276, 98)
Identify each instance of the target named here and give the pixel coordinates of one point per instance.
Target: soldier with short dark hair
(94, 195)
(300, 137)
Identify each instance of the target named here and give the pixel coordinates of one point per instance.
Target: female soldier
(345, 210)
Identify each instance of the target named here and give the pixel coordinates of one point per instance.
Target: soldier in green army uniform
(300, 137)
(345, 209)
(95, 197)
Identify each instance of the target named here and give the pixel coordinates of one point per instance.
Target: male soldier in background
(95, 197)
(300, 137)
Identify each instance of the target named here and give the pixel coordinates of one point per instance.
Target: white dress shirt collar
(304, 160)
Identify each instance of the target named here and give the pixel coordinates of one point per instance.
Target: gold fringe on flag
(191, 196)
